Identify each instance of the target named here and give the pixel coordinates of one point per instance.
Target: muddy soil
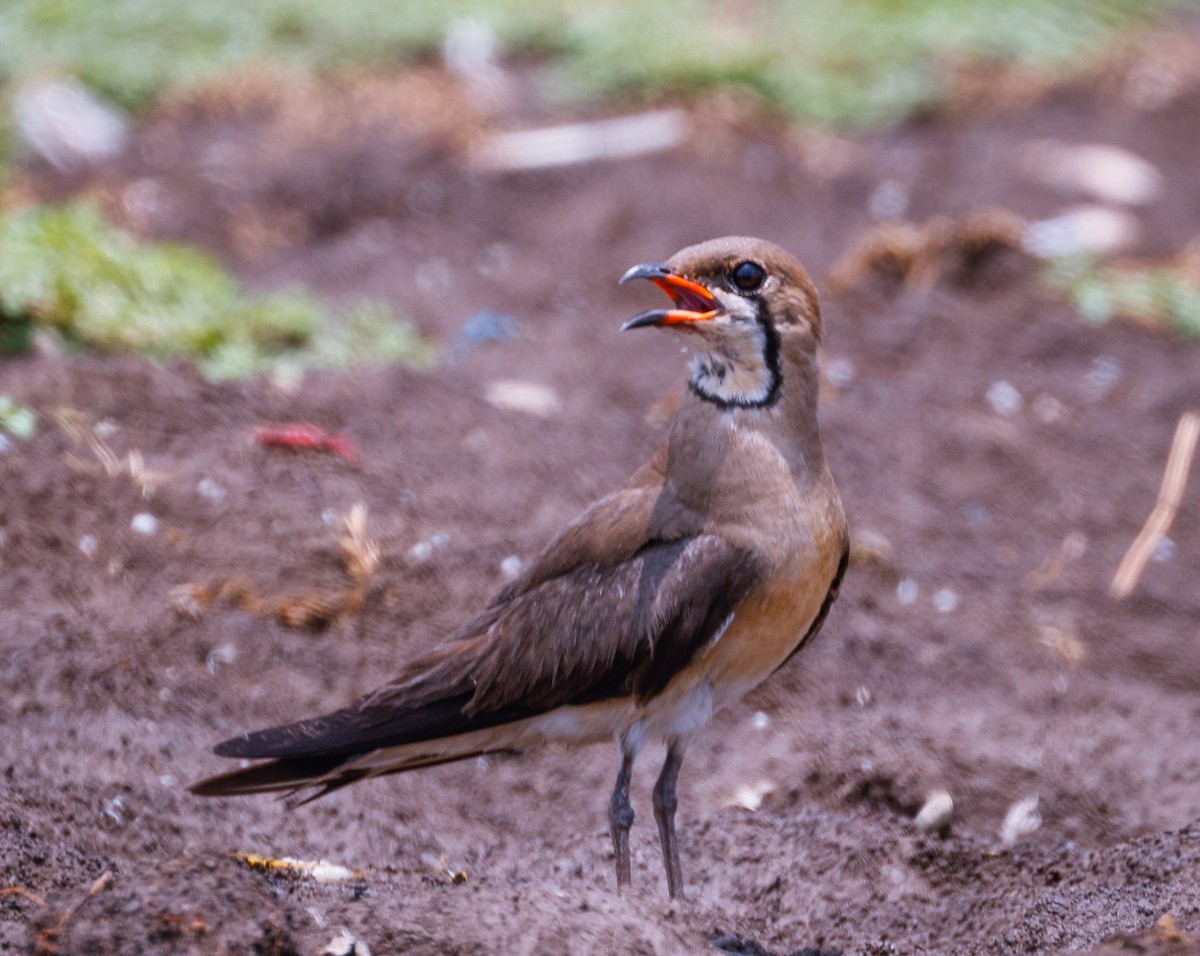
(975, 648)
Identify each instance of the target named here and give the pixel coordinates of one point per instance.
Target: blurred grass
(835, 61)
(68, 270)
(16, 420)
(1153, 296)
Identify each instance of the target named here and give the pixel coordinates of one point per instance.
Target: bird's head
(744, 301)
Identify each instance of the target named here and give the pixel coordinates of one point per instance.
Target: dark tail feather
(293, 774)
(290, 774)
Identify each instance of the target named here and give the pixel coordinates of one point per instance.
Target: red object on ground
(301, 435)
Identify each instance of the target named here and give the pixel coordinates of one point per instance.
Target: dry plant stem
(1179, 461)
(21, 891)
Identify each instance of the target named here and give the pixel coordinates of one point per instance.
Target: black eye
(747, 276)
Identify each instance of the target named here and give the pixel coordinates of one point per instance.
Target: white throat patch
(737, 370)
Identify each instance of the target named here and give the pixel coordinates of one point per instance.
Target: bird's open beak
(693, 302)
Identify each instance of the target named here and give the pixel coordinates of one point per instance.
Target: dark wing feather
(591, 633)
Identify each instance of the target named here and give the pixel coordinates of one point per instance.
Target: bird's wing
(592, 632)
(612, 530)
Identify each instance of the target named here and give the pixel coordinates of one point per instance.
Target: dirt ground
(975, 648)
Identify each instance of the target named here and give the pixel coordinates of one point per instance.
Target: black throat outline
(770, 357)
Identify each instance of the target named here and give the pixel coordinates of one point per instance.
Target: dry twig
(47, 942)
(21, 891)
(1179, 461)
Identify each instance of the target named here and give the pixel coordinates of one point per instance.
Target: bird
(663, 602)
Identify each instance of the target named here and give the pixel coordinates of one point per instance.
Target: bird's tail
(312, 758)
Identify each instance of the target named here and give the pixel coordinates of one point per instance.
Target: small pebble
(1103, 376)
(496, 261)
(88, 545)
(888, 200)
(749, 796)
(114, 808)
(440, 540)
(510, 567)
(528, 397)
(327, 873)
(945, 600)
(1022, 819)
(485, 326)
(935, 815)
(1003, 399)
(840, 372)
(761, 720)
(67, 125)
(209, 490)
(434, 277)
(1048, 410)
(225, 654)
(1094, 229)
(167, 780)
(1164, 550)
(330, 517)
(907, 591)
(420, 551)
(345, 945)
(1108, 173)
(863, 696)
(144, 523)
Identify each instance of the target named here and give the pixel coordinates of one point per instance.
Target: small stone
(907, 591)
(1103, 376)
(840, 372)
(114, 807)
(760, 721)
(434, 277)
(863, 696)
(1094, 229)
(935, 815)
(1003, 398)
(1164, 550)
(440, 540)
(888, 200)
(749, 796)
(1022, 819)
(528, 397)
(209, 490)
(225, 654)
(1108, 173)
(420, 551)
(1048, 410)
(485, 326)
(328, 873)
(510, 567)
(945, 600)
(88, 545)
(144, 523)
(345, 945)
(67, 125)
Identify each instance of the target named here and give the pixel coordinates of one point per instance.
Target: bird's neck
(716, 449)
(739, 370)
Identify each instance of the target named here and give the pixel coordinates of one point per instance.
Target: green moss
(67, 269)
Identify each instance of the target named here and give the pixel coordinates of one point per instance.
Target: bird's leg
(665, 802)
(620, 812)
